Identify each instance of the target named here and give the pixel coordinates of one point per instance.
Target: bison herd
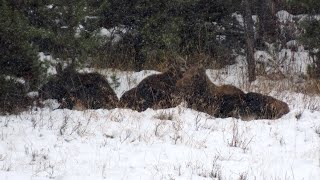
(91, 91)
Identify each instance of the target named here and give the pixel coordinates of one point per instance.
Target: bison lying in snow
(202, 95)
(264, 107)
(79, 91)
(226, 100)
(196, 89)
(155, 91)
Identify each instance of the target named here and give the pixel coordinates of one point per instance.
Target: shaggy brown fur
(264, 107)
(132, 99)
(73, 90)
(195, 90)
(229, 100)
(156, 91)
(226, 100)
(227, 90)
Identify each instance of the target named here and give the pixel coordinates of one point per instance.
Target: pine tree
(62, 30)
(311, 39)
(303, 6)
(149, 25)
(18, 55)
(173, 26)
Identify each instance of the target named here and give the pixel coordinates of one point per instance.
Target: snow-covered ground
(177, 143)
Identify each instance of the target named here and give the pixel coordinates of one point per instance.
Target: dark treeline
(146, 33)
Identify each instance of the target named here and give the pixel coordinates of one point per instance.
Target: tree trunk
(139, 58)
(249, 36)
(267, 21)
(261, 12)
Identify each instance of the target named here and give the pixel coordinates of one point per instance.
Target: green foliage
(303, 6)
(65, 38)
(115, 81)
(313, 71)
(12, 96)
(61, 27)
(175, 27)
(207, 27)
(311, 39)
(18, 55)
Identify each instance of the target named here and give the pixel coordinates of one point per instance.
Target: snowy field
(177, 143)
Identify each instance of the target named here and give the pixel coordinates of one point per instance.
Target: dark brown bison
(229, 101)
(156, 91)
(202, 95)
(226, 100)
(79, 91)
(261, 106)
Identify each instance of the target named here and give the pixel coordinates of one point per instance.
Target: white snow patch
(51, 104)
(284, 16)
(115, 34)
(33, 94)
(49, 62)
(125, 144)
(121, 81)
(238, 17)
(18, 80)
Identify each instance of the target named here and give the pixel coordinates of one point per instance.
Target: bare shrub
(215, 172)
(158, 128)
(238, 138)
(163, 115)
(125, 135)
(177, 127)
(63, 127)
(298, 115)
(198, 168)
(317, 130)
(197, 122)
(243, 176)
(6, 162)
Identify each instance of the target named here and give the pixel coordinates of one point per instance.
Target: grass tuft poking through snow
(176, 143)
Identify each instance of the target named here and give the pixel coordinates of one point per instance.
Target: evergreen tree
(303, 6)
(62, 30)
(65, 36)
(311, 36)
(187, 27)
(208, 27)
(311, 39)
(18, 54)
(149, 24)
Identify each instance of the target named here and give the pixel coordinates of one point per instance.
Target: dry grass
(266, 85)
(163, 115)
(156, 60)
